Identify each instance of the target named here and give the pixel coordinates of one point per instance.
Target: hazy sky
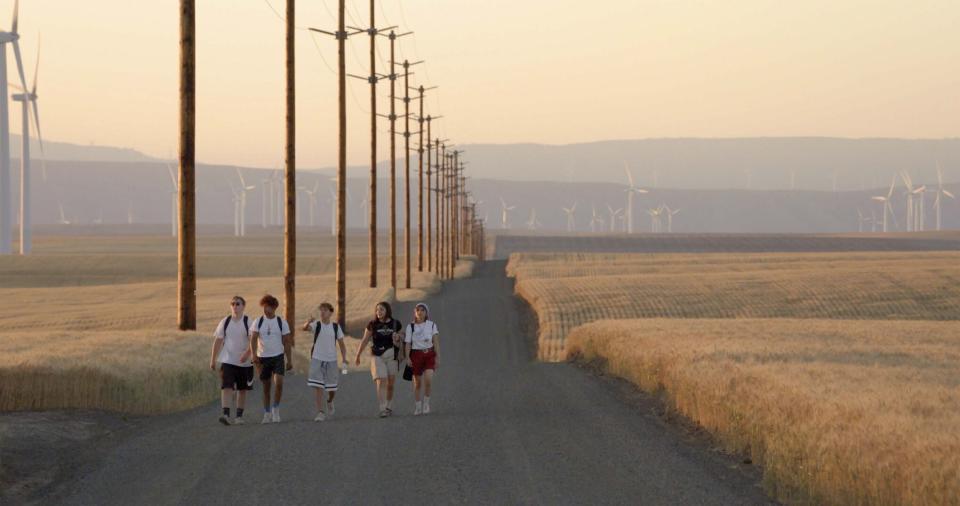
(550, 71)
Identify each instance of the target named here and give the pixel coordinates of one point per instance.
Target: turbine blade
(36, 69)
(16, 15)
(626, 168)
(36, 123)
(16, 53)
(947, 193)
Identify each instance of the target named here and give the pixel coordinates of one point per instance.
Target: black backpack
(279, 324)
(316, 334)
(226, 323)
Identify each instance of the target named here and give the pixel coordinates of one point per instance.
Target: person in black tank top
(383, 334)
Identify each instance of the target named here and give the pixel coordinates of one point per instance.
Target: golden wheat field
(80, 339)
(835, 411)
(567, 290)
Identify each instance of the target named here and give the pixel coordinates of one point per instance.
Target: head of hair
(239, 298)
(269, 300)
(386, 309)
(326, 305)
(426, 310)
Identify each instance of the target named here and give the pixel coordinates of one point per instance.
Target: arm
(306, 325)
(436, 349)
(254, 338)
(215, 352)
(363, 344)
(343, 350)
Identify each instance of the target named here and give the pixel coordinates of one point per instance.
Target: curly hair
(269, 300)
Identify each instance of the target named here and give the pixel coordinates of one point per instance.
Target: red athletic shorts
(421, 360)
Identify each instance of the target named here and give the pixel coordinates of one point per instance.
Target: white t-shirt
(270, 343)
(325, 349)
(235, 342)
(422, 337)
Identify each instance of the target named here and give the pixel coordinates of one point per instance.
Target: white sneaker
(418, 409)
(426, 407)
(267, 418)
(238, 421)
(224, 419)
(276, 415)
(320, 417)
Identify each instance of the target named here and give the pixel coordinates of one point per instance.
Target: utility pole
(341, 277)
(187, 240)
(435, 266)
(290, 224)
(420, 192)
(373, 78)
(406, 143)
(393, 36)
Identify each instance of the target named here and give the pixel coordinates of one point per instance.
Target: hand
(289, 365)
(256, 360)
(213, 365)
(245, 356)
(357, 361)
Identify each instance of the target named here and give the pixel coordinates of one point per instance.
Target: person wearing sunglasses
(231, 348)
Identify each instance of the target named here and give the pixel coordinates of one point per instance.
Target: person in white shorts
(383, 334)
(324, 373)
(423, 351)
(271, 345)
(231, 347)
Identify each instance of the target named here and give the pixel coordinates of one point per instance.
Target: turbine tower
(28, 101)
(614, 214)
(505, 214)
(940, 192)
(887, 206)
(244, 189)
(6, 190)
(596, 222)
(571, 221)
(631, 190)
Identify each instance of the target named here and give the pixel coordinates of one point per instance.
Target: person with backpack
(383, 332)
(231, 347)
(324, 373)
(423, 351)
(271, 346)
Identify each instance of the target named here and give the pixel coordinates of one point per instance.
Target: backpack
(226, 323)
(279, 323)
(316, 334)
(411, 333)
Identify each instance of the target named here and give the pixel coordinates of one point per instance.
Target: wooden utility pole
(406, 144)
(393, 36)
(434, 266)
(420, 190)
(187, 239)
(341, 276)
(290, 224)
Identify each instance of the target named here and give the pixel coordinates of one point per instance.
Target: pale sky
(545, 71)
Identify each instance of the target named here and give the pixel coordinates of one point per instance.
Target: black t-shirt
(382, 333)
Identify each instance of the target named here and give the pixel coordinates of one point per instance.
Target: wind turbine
(533, 222)
(670, 214)
(266, 201)
(173, 201)
(655, 219)
(908, 182)
(244, 189)
(63, 219)
(505, 214)
(312, 199)
(614, 214)
(571, 221)
(596, 222)
(887, 206)
(28, 99)
(129, 212)
(940, 191)
(236, 208)
(631, 190)
(6, 190)
(919, 215)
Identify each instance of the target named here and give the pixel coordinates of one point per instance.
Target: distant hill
(90, 191)
(714, 164)
(76, 152)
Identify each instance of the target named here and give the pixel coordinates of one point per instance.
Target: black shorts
(236, 377)
(272, 365)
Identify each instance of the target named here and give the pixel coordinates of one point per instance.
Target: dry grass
(70, 340)
(567, 290)
(836, 412)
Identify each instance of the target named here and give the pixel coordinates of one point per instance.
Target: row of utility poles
(452, 228)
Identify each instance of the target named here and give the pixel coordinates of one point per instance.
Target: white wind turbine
(631, 190)
(63, 219)
(312, 201)
(236, 208)
(571, 220)
(173, 201)
(266, 201)
(940, 192)
(6, 190)
(129, 212)
(28, 99)
(505, 214)
(887, 206)
(654, 219)
(596, 222)
(614, 215)
(920, 214)
(242, 192)
(670, 214)
(533, 222)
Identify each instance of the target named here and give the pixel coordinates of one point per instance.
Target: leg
(318, 394)
(391, 381)
(226, 397)
(331, 395)
(380, 391)
(241, 399)
(278, 379)
(427, 381)
(416, 387)
(267, 384)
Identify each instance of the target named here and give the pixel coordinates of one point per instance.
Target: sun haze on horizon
(533, 71)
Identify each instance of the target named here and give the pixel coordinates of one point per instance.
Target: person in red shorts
(422, 343)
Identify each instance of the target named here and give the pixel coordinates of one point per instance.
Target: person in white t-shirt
(231, 347)
(271, 345)
(324, 373)
(423, 349)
